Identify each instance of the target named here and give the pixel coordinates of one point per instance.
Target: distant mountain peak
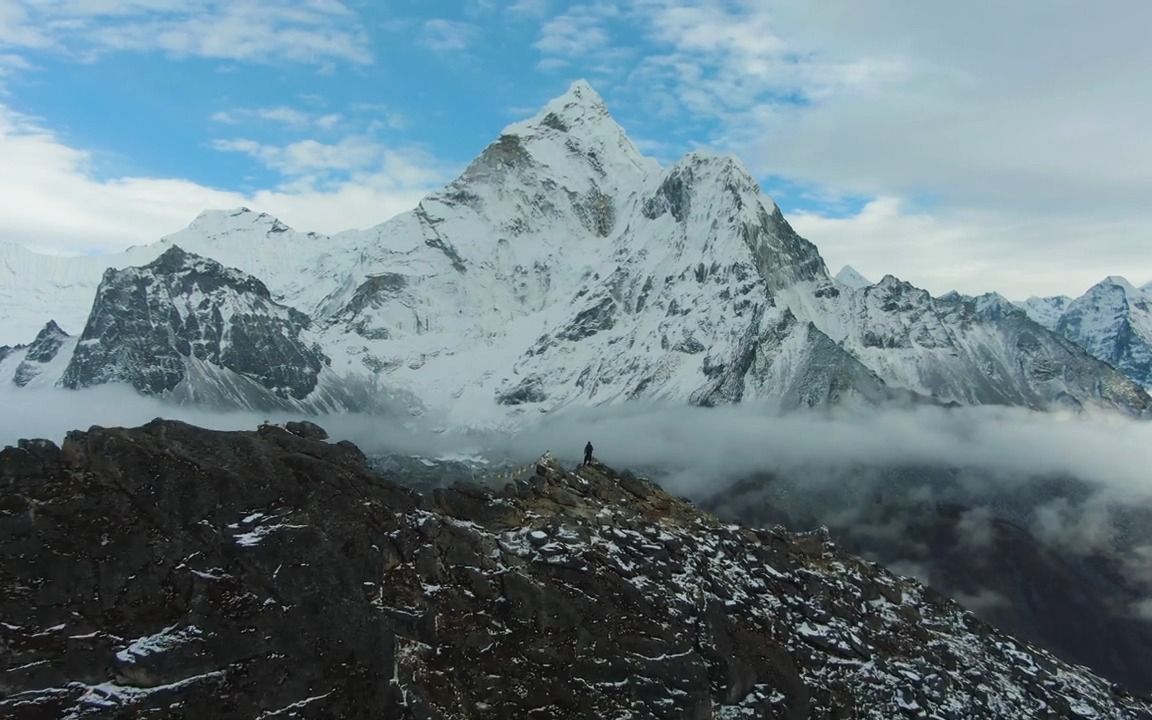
(1118, 281)
(40, 354)
(221, 220)
(1046, 310)
(891, 281)
(51, 328)
(849, 276)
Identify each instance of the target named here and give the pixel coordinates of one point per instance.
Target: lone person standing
(588, 453)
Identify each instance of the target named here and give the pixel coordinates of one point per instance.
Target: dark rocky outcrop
(187, 322)
(171, 571)
(42, 351)
(1071, 597)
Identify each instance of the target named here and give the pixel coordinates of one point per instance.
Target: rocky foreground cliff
(170, 571)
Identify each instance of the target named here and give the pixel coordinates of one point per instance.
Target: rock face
(187, 327)
(964, 350)
(982, 547)
(169, 570)
(1112, 321)
(44, 351)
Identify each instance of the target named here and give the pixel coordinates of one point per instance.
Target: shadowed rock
(172, 571)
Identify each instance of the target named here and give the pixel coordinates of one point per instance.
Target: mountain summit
(853, 279)
(561, 268)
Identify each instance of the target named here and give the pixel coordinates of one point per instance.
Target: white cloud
(578, 31)
(314, 32)
(17, 29)
(309, 156)
(280, 114)
(10, 64)
(1027, 137)
(724, 57)
(50, 200)
(444, 35)
(976, 252)
(528, 8)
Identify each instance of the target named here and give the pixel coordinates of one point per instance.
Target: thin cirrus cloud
(444, 35)
(308, 156)
(282, 115)
(242, 30)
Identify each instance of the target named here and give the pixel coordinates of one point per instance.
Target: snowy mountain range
(562, 268)
(1112, 321)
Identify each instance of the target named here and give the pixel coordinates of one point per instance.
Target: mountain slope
(1113, 322)
(43, 362)
(292, 581)
(853, 279)
(187, 328)
(1046, 310)
(980, 536)
(964, 350)
(33, 287)
(563, 268)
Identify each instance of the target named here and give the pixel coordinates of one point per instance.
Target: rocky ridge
(50, 346)
(979, 537)
(1112, 321)
(186, 327)
(172, 570)
(964, 350)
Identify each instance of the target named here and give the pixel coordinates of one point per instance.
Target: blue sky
(982, 147)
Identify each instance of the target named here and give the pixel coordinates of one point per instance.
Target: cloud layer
(52, 200)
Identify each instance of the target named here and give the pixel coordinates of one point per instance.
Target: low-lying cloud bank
(697, 449)
(709, 446)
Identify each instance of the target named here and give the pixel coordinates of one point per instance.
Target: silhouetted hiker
(588, 453)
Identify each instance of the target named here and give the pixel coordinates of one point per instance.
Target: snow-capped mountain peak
(1046, 311)
(241, 218)
(849, 276)
(200, 332)
(561, 268)
(580, 108)
(1113, 322)
(578, 125)
(43, 361)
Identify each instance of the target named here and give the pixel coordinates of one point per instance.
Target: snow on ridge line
(167, 639)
